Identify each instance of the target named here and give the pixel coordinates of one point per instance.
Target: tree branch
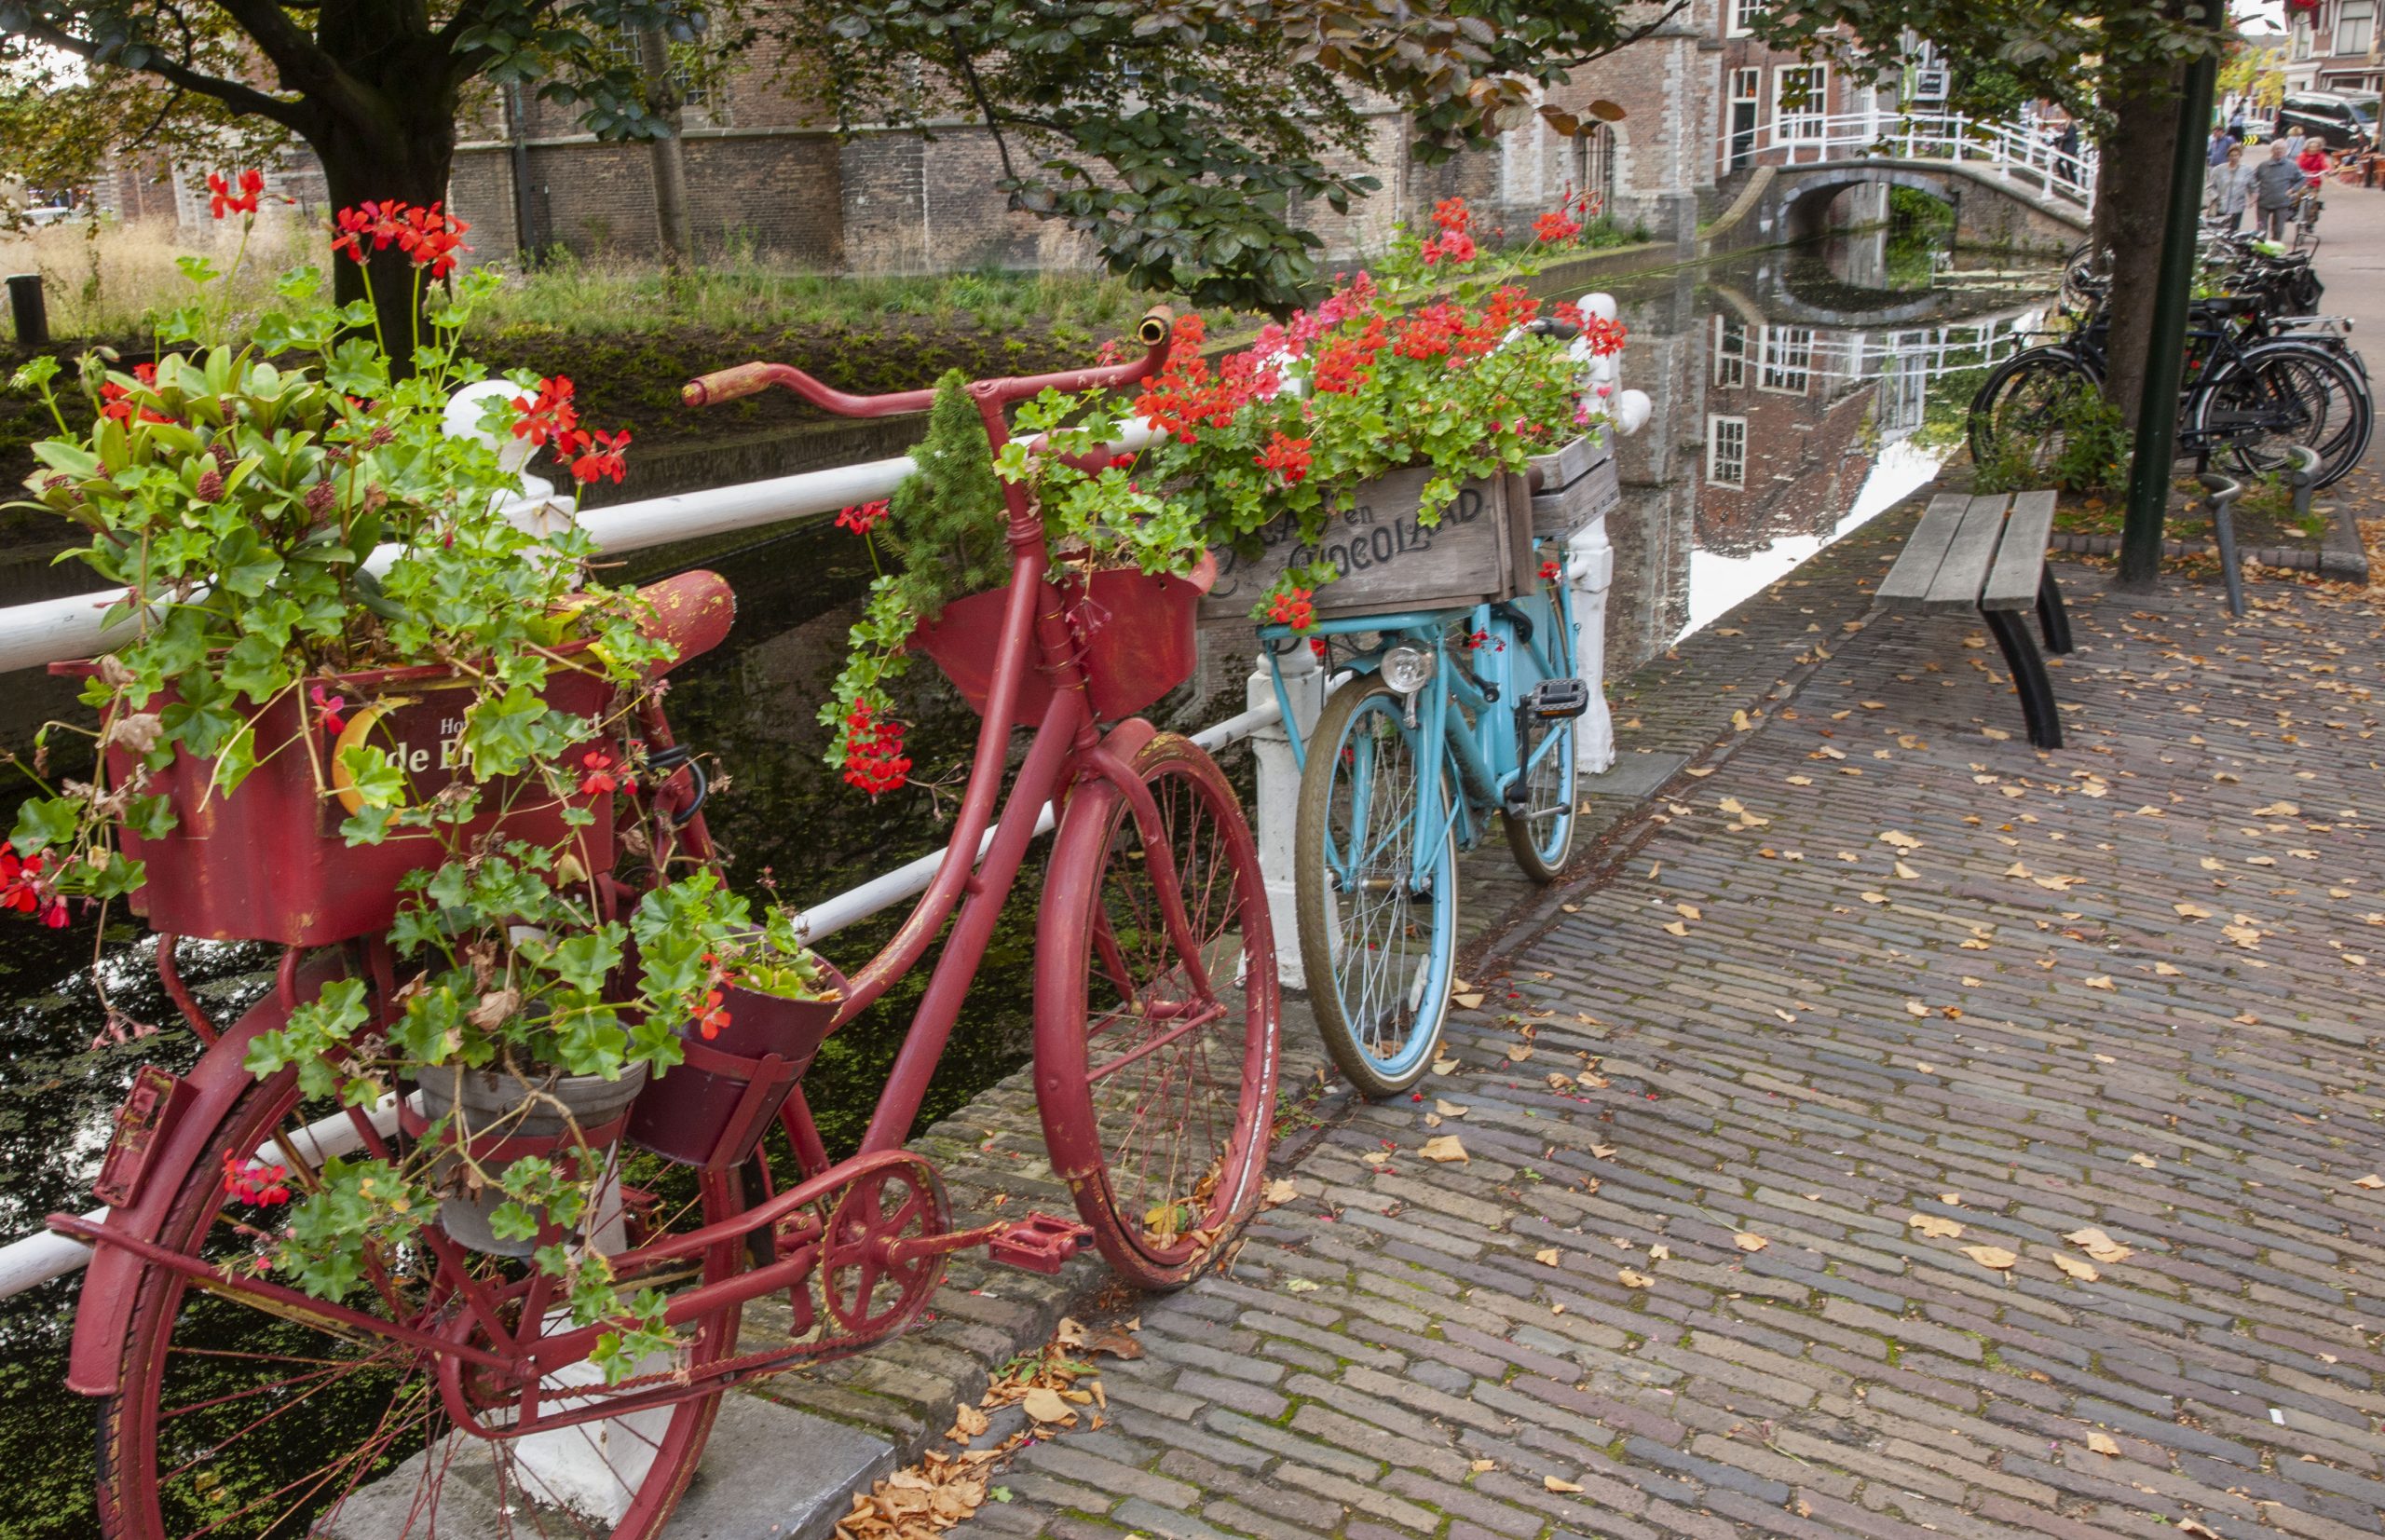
(305, 67)
(244, 100)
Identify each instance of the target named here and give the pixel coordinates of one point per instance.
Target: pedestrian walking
(2275, 184)
(2229, 182)
(2066, 147)
(2292, 139)
(2221, 142)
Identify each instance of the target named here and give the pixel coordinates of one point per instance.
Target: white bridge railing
(59, 630)
(2022, 154)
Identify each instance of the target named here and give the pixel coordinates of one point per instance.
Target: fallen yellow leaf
(1283, 1189)
(2099, 1246)
(2102, 1443)
(1045, 1405)
(1548, 1255)
(2372, 1181)
(1634, 1280)
(1553, 1484)
(1444, 1149)
(1935, 1227)
(1991, 1256)
(2076, 1269)
(1518, 1052)
(1451, 1109)
(1747, 1241)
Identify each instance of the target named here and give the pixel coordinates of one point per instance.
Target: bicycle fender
(104, 1314)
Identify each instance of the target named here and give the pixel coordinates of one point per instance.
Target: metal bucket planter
(1137, 634)
(267, 863)
(500, 1119)
(1388, 559)
(713, 1110)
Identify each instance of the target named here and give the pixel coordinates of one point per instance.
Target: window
(1800, 101)
(1786, 360)
(1726, 451)
(624, 46)
(1747, 90)
(1730, 370)
(2353, 25)
(2301, 37)
(1594, 164)
(1742, 14)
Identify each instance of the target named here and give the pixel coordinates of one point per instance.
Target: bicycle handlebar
(746, 379)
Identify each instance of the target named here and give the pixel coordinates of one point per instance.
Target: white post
(1589, 572)
(1279, 792)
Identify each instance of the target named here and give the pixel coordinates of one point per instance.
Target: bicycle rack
(2224, 492)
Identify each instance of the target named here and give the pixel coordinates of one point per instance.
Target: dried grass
(101, 279)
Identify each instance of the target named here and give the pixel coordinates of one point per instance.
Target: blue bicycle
(1447, 717)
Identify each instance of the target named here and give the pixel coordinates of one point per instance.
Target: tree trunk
(403, 157)
(670, 164)
(2132, 198)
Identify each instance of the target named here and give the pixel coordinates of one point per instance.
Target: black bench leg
(2029, 678)
(2053, 616)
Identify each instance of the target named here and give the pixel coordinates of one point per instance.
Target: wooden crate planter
(1577, 483)
(1389, 560)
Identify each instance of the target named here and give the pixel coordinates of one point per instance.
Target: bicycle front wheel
(236, 1420)
(1378, 947)
(2282, 395)
(1157, 1014)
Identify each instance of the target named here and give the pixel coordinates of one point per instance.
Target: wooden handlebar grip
(726, 384)
(1154, 328)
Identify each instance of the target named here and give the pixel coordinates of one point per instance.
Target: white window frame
(1729, 369)
(1737, 14)
(2302, 38)
(2368, 26)
(1785, 360)
(1808, 122)
(1716, 423)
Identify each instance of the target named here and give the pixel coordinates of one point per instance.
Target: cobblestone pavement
(1881, 971)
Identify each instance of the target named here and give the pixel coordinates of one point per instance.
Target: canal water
(1796, 392)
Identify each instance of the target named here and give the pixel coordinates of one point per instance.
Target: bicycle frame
(1067, 746)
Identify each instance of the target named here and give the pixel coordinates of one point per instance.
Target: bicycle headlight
(1407, 669)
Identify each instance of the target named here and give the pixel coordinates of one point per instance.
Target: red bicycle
(449, 1393)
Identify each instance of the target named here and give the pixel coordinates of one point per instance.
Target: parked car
(2340, 122)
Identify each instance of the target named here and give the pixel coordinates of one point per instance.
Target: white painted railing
(2023, 155)
(58, 630)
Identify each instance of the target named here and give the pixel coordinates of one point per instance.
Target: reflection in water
(1796, 395)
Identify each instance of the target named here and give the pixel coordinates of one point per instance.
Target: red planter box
(714, 1109)
(267, 863)
(1137, 632)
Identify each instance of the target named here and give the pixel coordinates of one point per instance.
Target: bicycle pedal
(1039, 1243)
(1558, 699)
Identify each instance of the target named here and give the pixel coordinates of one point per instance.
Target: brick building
(2334, 48)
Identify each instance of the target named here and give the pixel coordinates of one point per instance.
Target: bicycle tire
(1542, 840)
(2021, 402)
(2332, 400)
(1104, 962)
(144, 1425)
(1382, 1042)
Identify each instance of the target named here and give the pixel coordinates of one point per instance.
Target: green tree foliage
(373, 85)
(1182, 137)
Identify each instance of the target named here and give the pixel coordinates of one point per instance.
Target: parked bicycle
(456, 1391)
(1443, 719)
(2256, 383)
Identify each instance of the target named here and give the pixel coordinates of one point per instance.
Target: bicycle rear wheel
(1379, 951)
(1155, 1050)
(2022, 412)
(1540, 825)
(2283, 394)
(234, 1421)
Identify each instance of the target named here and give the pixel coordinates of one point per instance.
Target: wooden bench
(1989, 554)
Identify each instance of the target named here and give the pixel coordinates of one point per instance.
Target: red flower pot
(267, 863)
(714, 1109)
(1136, 632)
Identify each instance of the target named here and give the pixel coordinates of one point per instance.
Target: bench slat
(1965, 567)
(1908, 581)
(2012, 580)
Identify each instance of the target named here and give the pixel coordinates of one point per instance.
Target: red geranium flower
(600, 455)
(20, 885)
(255, 1181)
(551, 419)
(600, 778)
(865, 517)
(873, 758)
(225, 202)
(329, 707)
(1294, 607)
(1288, 457)
(714, 1016)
